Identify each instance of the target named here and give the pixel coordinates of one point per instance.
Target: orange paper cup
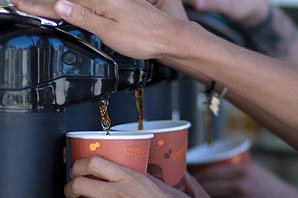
(127, 149)
(222, 152)
(167, 157)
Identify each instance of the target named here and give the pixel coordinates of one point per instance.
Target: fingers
(100, 168)
(82, 186)
(83, 17)
(38, 9)
(221, 173)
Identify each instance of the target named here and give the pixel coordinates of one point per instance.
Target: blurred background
(267, 149)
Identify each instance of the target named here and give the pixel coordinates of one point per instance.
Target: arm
(261, 83)
(266, 88)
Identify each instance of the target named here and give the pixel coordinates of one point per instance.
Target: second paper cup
(167, 158)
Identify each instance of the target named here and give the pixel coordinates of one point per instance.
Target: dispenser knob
(69, 58)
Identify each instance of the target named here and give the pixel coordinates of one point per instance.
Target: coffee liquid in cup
(105, 118)
(139, 95)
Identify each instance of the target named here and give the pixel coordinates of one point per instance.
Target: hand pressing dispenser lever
(42, 70)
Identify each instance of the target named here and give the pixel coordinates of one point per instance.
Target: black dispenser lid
(44, 68)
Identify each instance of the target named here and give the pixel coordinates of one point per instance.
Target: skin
(114, 181)
(117, 181)
(250, 181)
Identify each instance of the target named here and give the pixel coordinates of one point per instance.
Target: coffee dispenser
(43, 69)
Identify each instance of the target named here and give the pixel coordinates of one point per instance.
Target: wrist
(190, 49)
(170, 39)
(181, 42)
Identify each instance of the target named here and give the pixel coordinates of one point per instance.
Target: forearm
(276, 36)
(266, 84)
(263, 118)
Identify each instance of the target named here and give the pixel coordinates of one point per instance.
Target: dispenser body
(42, 71)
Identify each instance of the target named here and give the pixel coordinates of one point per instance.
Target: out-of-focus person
(271, 30)
(245, 181)
(274, 34)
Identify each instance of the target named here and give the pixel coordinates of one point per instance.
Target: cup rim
(125, 135)
(239, 145)
(181, 125)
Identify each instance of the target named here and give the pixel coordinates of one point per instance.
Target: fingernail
(70, 174)
(201, 4)
(63, 8)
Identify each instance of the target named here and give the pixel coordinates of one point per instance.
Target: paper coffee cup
(222, 152)
(167, 157)
(127, 149)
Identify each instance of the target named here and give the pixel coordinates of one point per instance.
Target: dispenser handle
(11, 13)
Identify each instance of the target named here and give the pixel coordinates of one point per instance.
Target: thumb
(82, 17)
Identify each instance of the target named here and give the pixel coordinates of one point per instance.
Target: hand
(173, 8)
(251, 181)
(147, 33)
(116, 181)
(142, 34)
(246, 12)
